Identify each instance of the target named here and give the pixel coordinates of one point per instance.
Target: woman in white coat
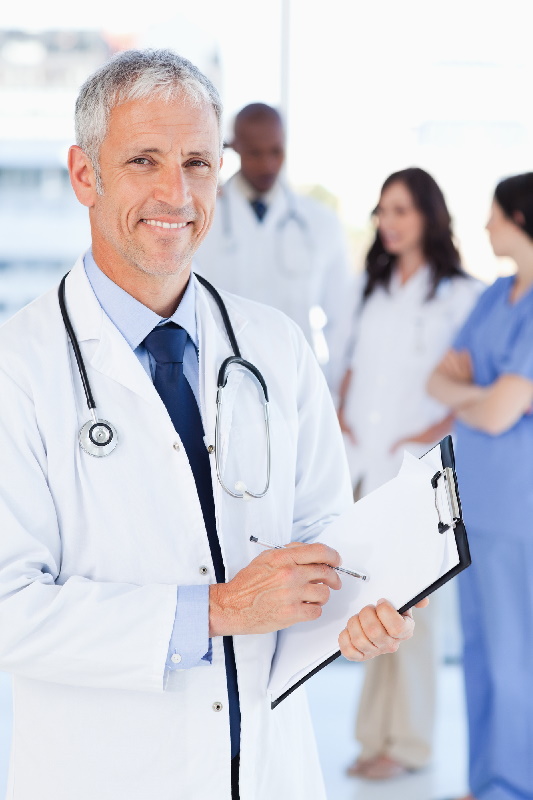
(412, 299)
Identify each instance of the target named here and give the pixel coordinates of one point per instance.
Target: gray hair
(133, 75)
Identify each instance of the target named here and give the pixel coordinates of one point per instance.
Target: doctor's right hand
(277, 589)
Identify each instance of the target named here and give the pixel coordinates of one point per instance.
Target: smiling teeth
(159, 224)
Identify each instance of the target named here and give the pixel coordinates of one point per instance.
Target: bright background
(367, 88)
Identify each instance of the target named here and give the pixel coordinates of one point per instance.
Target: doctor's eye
(141, 160)
(197, 162)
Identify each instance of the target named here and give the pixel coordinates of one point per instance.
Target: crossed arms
(492, 409)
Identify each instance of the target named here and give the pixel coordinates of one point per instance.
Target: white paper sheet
(391, 535)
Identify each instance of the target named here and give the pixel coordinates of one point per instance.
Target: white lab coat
(296, 258)
(92, 550)
(399, 338)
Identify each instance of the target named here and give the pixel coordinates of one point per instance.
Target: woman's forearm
(429, 435)
(501, 406)
(343, 389)
(451, 393)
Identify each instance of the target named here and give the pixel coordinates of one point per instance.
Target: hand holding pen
(271, 546)
(280, 587)
(286, 585)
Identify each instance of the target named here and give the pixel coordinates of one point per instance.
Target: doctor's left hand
(376, 630)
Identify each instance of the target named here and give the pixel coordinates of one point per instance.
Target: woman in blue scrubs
(487, 378)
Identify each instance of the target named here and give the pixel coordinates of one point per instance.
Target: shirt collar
(417, 282)
(133, 319)
(252, 194)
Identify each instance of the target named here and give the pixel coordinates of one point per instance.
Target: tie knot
(260, 208)
(166, 343)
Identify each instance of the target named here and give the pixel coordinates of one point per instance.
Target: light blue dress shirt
(189, 644)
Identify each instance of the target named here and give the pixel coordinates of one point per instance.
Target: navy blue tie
(166, 343)
(260, 208)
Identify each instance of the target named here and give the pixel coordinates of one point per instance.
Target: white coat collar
(112, 355)
(278, 203)
(417, 284)
(241, 185)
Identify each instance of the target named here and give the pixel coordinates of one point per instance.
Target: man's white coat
(296, 258)
(92, 550)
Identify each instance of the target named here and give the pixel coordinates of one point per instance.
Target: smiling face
(400, 223)
(159, 164)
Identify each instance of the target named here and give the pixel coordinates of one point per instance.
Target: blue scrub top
(496, 472)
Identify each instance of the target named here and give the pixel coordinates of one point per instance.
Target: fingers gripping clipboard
(408, 536)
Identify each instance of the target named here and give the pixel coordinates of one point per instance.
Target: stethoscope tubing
(75, 346)
(235, 359)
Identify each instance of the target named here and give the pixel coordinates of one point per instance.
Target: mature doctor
(137, 618)
(275, 246)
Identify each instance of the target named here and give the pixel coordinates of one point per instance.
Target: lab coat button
(210, 449)
(176, 658)
(217, 706)
(176, 445)
(203, 570)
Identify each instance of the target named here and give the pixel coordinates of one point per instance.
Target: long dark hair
(515, 195)
(442, 255)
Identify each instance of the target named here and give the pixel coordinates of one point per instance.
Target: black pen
(271, 546)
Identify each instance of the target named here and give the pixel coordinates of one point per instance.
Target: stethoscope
(98, 437)
(284, 234)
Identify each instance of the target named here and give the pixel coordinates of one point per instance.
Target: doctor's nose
(172, 187)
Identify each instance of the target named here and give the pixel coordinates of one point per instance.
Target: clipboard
(448, 522)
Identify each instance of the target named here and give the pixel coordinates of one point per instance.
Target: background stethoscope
(98, 437)
(293, 242)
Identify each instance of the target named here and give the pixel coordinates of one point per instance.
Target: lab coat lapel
(113, 357)
(109, 354)
(241, 212)
(277, 209)
(415, 290)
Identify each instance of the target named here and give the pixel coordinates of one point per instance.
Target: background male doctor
(136, 616)
(275, 246)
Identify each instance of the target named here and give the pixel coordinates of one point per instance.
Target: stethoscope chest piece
(98, 438)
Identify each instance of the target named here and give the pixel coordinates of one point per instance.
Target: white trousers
(397, 707)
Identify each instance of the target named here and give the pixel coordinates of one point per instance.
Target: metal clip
(453, 500)
(451, 495)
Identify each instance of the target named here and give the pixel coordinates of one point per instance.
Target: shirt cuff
(190, 645)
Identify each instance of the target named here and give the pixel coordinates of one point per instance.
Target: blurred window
(47, 184)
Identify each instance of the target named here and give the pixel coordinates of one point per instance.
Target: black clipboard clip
(448, 476)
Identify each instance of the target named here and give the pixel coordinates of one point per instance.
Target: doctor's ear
(82, 176)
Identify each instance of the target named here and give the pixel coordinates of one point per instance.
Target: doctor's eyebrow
(200, 154)
(205, 154)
